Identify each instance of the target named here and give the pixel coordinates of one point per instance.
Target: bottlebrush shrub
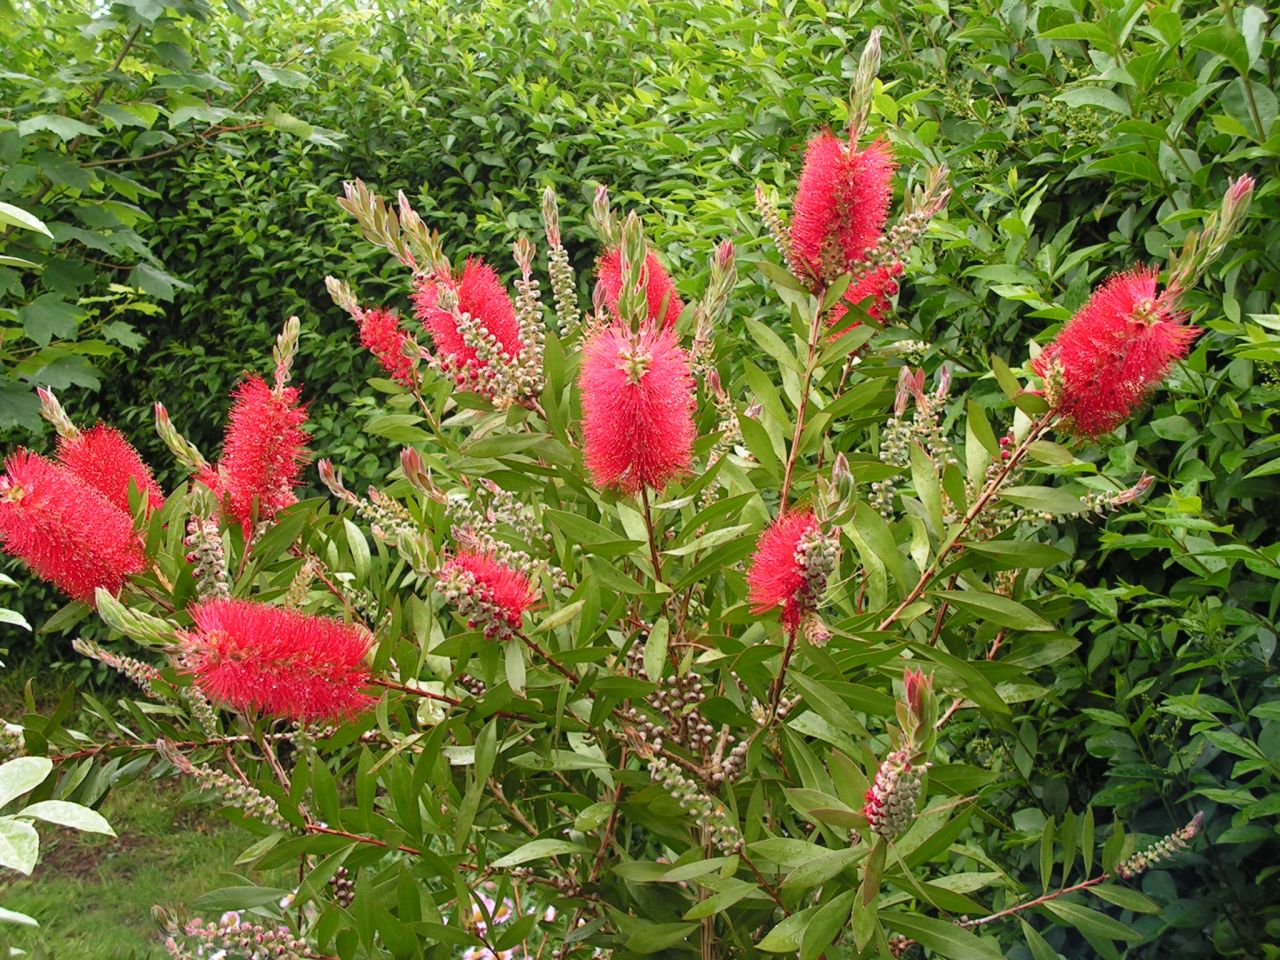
(657, 641)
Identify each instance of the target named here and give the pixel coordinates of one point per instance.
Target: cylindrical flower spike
(67, 532)
(382, 335)
(490, 595)
(281, 663)
(106, 461)
(478, 294)
(790, 568)
(841, 207)
(637, 408)
(263, 453)
(1116, 349)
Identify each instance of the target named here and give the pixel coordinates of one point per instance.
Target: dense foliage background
(185, 158)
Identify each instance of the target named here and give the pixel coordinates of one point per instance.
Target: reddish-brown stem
(654, 556)
(441, 698)
(555, 664)
(372, 841)
(775, 696)
(1027, 905)
(988, 492)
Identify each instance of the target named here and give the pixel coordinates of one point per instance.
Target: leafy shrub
(580, 693)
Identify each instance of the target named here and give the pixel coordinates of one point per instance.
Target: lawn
(93, 896)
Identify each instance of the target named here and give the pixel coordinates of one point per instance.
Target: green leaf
(12, 216)
(1051, 500)
(737, 890)
(64, 128)
(942, 937)
(1046, 853)
(69, 815)
(22, 775)
(538, 850)
(830, 919)
(514, 665)
(19, 845)
(1094, 97)
(13, 916)
(1091, 922)
(655, 649)
(49, 316)
(237, 898)
(359, 547)
(1126, 897)
(562, 616)
(648, 937)
(1000, 610)
(786, 936)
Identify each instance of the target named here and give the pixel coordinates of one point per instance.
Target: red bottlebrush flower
(381, 335)
(480, 294)
(490, 594)
(106, 461)
(281, 663)
(777, 576)
(661, 290)
(67, 532)
(841, 206)
(637, 408)
(263, 453)
(1114, 352)
(876, 285)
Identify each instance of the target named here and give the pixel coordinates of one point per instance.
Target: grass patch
(93, 895)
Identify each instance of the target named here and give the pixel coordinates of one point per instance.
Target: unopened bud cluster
(924, 429)
(563, 286)
(135, 670)
(1102, 502)
(891, 798)
(533, 330)
(206, 555)
(709, 813)
(677, 702)
(1163, 849)
(201, 710)
(471, 603)
(233, 936)
(816, 555)
(232, 791)
(473, 685)
(774, 223)
(12, 741)
(342, 887)
(760, 711)
(300, 585)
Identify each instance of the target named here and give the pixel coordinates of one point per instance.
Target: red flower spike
(263, 453)
(502, 592)
(106, 461)
(637, 408)
(278, 662)
(1115, 351)
(841, 205)
(776, 577)
(67, 532)
(661, 290)
(382, 335)
(481, 294)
